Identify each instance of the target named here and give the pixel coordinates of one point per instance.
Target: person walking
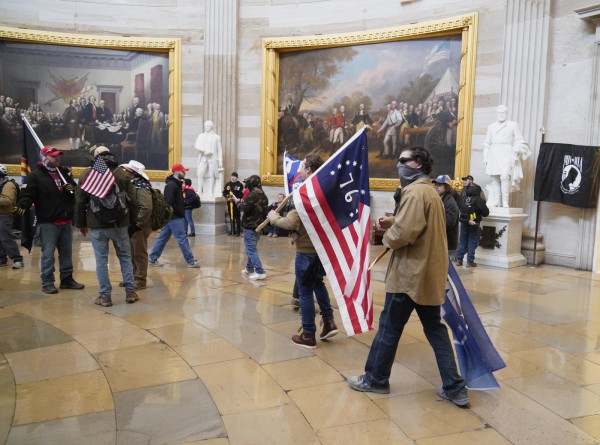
(174, 197)
(8, 199)
(472, 209)
(191, 201)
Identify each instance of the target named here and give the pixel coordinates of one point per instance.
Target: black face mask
(408, 174)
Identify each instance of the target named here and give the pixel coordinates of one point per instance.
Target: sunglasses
(404, 160)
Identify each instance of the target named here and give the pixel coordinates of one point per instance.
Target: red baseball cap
(49, 150)
(178, 168)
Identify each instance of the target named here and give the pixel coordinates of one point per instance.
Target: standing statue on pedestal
(503, 150)
(210, 161)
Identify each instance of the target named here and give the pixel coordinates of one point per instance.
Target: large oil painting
(408, 91)
(77, 97)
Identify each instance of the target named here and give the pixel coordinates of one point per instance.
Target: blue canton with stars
(344, 180)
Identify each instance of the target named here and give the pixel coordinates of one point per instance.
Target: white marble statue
(503, 150)
(210, 161)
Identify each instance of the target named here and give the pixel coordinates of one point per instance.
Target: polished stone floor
(204, 358)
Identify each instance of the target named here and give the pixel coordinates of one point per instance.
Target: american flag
(291, 167)
(334, 206)
(99, 180)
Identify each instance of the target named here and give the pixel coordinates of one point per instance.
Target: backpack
(16, 185)
(191, 199)
(467, 210)
(112, 208)
(161, 211)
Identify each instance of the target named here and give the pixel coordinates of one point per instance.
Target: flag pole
(39, 142)
(380, 256)
(279, 209)
(537, 214)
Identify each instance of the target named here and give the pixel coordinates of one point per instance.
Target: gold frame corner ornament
(170, 45)
(465, 25)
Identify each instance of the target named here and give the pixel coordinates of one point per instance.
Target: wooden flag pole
(279, 209)
(380, 256)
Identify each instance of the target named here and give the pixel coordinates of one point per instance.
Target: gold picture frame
(170, 47)
(462, 30)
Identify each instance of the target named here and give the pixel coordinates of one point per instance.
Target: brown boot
(305, 340)
(131, 297)
(329, 329)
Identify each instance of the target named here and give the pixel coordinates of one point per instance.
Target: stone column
(220, 75)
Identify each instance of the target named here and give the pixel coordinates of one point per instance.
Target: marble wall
(566, 88)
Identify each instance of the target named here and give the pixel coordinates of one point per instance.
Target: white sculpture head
(501, 112)
(209, 126)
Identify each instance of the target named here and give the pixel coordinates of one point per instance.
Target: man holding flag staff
(415, 280)
(233, 189)
(309, 270)
(51, 189)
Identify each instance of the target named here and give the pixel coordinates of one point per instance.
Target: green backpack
(161, 211)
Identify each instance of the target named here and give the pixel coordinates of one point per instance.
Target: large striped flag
(477, 358)
(334, 206)
(291, 171)
(99, 180)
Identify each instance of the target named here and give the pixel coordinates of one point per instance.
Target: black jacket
(237, 188)
(255, 204)
(451, 209)
(51, 204)
(473, 200)
(174, 196)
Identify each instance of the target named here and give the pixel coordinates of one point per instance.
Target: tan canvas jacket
(292, 221)
(8, 198)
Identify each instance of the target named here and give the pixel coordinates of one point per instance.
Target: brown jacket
(144, 202)
(417, 234)
(292, 221)
(8, 198)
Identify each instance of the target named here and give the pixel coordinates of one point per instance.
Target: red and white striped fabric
(99, 180)
(334, 206)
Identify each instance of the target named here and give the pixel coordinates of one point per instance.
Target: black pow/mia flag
(567, 174)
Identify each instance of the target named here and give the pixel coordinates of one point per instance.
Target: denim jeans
(56, 237)
(307, 284)
(250, 241)
(176, 227)
(8, 246)
(122, 245)
(469, 238)
(395, 315)
(189, 221)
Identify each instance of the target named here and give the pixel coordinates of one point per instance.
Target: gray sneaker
(194, 264)
(358, 383)
(18, 265)
(154, 263)
(459, 398)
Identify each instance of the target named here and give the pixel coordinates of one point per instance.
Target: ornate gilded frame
(172, 46)
(465, 25)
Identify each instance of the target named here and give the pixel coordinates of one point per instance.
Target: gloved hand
(69, 187)
(19, 211)
(132, 229)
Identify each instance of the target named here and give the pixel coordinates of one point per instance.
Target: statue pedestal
(210, 218)
(500, 244)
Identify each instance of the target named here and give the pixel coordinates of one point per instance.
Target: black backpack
(112, 208)
(468, 210)
(191, 199)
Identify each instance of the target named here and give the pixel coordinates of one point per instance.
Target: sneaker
(305, 340)
(103, 300)
(18, 265)
(191, 235)
(257, 276)
(70, 283)
(471, 264)
(269, 235)
(49, 289)
(459, 263)
(275, 236)
(295, 302)
(194, 264)
(358, 383)
(131, 297)
(459, 398)
(154, 263)
(329, 329)
(246, 272)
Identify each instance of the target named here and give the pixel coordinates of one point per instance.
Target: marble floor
(205, 358)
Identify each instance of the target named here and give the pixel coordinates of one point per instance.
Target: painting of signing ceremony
(77, 98)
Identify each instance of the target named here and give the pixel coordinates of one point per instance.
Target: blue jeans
(250, 241)
(310, 281)
(469, 239)
(176, 227)
(395, 315)
(122, 245)
(189, 221)
(56, 237)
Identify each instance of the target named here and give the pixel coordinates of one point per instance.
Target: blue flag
(477, 356)
(291, 171)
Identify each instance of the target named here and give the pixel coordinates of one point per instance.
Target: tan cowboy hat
(136, 167)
